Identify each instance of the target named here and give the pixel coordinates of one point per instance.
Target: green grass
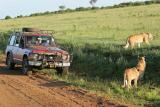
(96, 38)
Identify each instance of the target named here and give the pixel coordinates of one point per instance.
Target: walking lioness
(134, 73)
(132, 40)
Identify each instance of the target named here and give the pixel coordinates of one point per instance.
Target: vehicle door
(16, 48)
(20, 50)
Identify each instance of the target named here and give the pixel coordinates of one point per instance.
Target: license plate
(66, 64)
(51, 65)
(62, 64)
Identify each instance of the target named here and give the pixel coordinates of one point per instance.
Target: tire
(26, 69)
(62, 70)
(40, 67)
(9, 62)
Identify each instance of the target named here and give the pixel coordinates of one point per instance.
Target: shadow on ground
(5, 70)
(43, 76)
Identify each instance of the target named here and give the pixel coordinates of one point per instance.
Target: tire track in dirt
(17, 90)
(13, 93)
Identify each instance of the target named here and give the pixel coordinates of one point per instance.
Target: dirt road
(17, 90)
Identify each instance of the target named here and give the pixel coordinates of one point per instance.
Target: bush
(80, 9)
(62, 7)
(3, 40)
(20, 16)
(8, 17)
(69, 10)
(109, 61)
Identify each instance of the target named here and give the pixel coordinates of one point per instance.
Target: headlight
(50, 57)
(33, 56)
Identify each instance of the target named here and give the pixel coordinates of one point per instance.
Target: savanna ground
(96, 38)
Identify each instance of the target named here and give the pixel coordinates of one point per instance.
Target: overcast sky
(26, 7)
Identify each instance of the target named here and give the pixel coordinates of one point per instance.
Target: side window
(17, 40)
(12, 40)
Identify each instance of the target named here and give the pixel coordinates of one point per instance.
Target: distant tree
(62, 7)
(20, 16)
(8, 17)
(80, 9)
(92, 2)
(45, 13)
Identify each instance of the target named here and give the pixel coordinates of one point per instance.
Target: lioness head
(142, 58)
(150, 36)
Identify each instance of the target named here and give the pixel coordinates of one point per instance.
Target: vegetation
(92, 2)
(96, 37)
(8, 17)
(20, 16)
(3, 40)
(63, 9)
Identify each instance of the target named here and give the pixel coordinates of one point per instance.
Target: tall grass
(96, 39)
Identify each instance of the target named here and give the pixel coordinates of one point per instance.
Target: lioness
(132, 40)
(134, 73)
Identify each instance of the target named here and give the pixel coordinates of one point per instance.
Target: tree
(20, 16)
(92, 2)
(8, 17)
(62, 7)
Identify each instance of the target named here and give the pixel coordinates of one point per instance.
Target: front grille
(51, 58)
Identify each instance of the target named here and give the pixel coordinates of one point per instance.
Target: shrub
(62, 7)
(3, 40)
(20, 16)
(8, 17)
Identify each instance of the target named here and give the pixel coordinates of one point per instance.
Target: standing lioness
(134, 73)
(138, 39)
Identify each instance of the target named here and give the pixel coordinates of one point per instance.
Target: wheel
(62, 70)
(59, 70)
(40, 67)
(26, 69)
(9, 62)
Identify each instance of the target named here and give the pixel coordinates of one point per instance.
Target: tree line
(63, 9)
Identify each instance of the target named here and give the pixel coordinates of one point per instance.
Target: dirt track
(17, 90)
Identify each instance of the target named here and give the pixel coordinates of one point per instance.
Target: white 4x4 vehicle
(35, 48)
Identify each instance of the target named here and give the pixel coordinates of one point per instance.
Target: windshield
(40, 40)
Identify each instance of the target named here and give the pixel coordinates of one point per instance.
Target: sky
(14, 8)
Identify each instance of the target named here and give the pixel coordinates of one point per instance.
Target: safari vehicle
(36, 48)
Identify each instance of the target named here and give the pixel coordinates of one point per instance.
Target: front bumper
(62, 64)
(35, 63)
(49, 64)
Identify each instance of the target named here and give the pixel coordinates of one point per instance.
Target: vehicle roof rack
(32, 31)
